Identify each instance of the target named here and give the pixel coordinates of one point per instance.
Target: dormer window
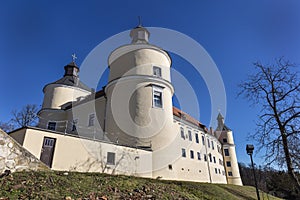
(156, 71)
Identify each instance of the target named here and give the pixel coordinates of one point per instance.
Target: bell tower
(139, 93)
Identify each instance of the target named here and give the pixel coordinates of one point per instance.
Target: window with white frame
(212, 145)
(197, 137)
(51, 126)
(183, 152)
(203, 140)
(226, 152)
(182, 133)
(199, 155)
(91, 119)
(190, 135)
(156, 71)
(111, 158)
(208, 143)
(157, 97)
(192, 154)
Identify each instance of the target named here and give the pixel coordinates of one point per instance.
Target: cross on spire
(140, 21)
(74, 57)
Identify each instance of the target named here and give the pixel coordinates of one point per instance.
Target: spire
(220, 119)
(139, 34)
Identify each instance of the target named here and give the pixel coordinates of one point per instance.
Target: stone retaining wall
(14, 157)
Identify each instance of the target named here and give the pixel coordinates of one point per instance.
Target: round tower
(67, 89)
(139, 93)
(229, 154)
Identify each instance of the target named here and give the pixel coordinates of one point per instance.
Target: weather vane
(74, 57)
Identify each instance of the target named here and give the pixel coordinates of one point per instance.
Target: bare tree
(6, 126)
(27, 116)
(276, 89)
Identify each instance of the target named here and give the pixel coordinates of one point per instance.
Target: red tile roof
(186, 117)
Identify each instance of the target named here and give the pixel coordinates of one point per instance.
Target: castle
(131, 126)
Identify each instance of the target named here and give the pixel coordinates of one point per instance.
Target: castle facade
(131, 126)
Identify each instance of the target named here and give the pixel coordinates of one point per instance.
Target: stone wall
(14, 157)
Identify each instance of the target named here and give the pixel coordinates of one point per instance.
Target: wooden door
(48, 150)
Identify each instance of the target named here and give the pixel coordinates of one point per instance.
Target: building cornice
(144, 78)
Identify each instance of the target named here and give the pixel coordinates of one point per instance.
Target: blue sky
(37, 39)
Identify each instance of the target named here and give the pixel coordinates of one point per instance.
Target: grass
(75, 185)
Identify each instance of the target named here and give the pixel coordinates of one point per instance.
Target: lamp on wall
(249, 149)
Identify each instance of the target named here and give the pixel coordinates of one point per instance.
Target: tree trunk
(289, 162)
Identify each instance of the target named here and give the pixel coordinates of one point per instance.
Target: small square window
(52, 126)
(192, 154)
(170, 167)
(229, 173)
(228, 163)
(156, 71)
(225, 140)
(190, 135)
(111, 158)
(91, 119)
(183, 153)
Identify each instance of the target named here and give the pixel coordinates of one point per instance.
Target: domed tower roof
(71, 77)
(139, 35)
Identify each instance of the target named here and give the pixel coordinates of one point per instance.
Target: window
(225, 140)
(192, 154)
(208, 143)
(183, 153)
(91, 119)
(52, 126)
(214, 158)
(156, 71)
(212, 145)
(190, 135)
(229, 173)
(210, 158)
(216, 170)
(226, 152)
(203, 140)
(182, 133)
(199, 155)
(205, 157)
(170, 167)
(74, 124)
(220, 162)
(197, 138)
(228, 163)
(219, 171)
(111, 158)
(157, 97)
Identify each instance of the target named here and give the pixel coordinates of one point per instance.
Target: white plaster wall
(72, 153)
(56, 95)
(186, 168)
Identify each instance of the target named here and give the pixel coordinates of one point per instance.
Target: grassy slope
(57, 185)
